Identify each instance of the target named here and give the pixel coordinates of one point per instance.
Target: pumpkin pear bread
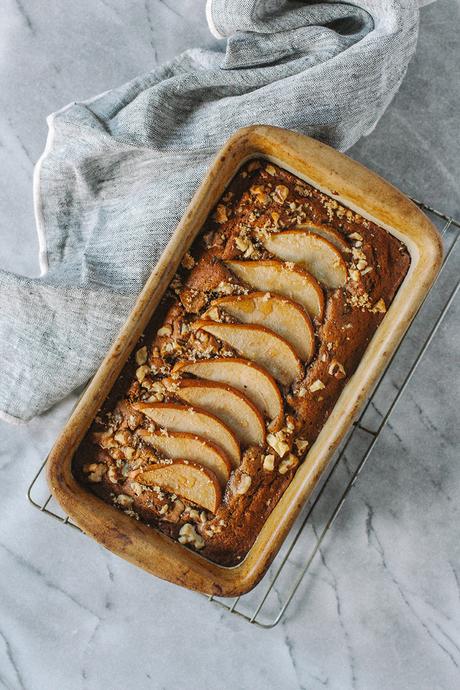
(256, 337)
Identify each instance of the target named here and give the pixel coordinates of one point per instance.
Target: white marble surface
(381, 608)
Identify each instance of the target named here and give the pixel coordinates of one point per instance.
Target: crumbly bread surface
(261, 200)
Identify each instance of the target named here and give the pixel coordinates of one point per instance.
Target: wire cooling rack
(266, 605)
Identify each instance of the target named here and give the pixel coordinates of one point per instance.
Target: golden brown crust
(261, 199)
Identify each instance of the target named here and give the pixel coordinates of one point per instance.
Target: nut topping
(269, 462)
(141, 355)
(317, 385)
(288, 463)
(188, 535)
(243, 484)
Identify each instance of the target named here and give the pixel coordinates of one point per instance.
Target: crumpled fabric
(118, 171)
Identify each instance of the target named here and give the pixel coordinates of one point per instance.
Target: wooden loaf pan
(355, 187)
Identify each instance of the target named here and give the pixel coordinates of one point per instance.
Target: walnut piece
(379, 307)
(269, 462)
(243, 484)
(95, 471)
(337, 370)
(141, 356)
(288, 463)
(277, 441)
(280, 194)
(142, 372)
(316, 386)
(124, 500)
(188, 535)
(301, 444)
(164, 330)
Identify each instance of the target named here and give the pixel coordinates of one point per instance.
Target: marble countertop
(380, 609)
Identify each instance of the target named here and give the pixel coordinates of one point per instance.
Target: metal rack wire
(266, 605)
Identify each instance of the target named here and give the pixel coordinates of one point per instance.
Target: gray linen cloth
(118, 171)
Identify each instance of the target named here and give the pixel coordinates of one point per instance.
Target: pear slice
(186, 479)
(259, 344)
(178, 445)
(333, 236)
(184, 418)
(279, 314)
(283, 279)
(317, 255)
(233, 408)
(247, 377)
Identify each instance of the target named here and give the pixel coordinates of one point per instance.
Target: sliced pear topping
(259, 344)
(227, 404)
(334, 237)
(283, 279)
(177, 445)
(186, 479)
(184, 418)
(279, 314)
(247, 377)
(317, 255)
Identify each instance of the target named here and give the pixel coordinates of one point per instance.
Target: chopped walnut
(142, 372)
(301, 444)
(278, 443)
(105, 439)
(337, 370)
(141, 356)
(188, 535)
(316, 386)
(124, 500)
(280, 194)
(128, 452)
(288, 463)
(95, 471)
(243, 484)
(269, 462)
(123, 437)
(192, 514)
(176, 512)
(164, 330)
(137, 488)
(379, 307)
(259, 192)
(112, 474)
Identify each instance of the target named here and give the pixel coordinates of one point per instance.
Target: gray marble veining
(380, 609)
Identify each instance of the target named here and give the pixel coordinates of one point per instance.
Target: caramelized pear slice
(247, 377)
(259, 344)
(186, 479)
(317, 255)
(279, 314)
(184, 418)
(227, 404)
(283, 279)
(176, 445)
(334, 236)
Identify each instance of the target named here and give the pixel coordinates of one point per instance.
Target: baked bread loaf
(255, 339)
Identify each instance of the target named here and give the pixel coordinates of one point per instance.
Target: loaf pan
(353, 186)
